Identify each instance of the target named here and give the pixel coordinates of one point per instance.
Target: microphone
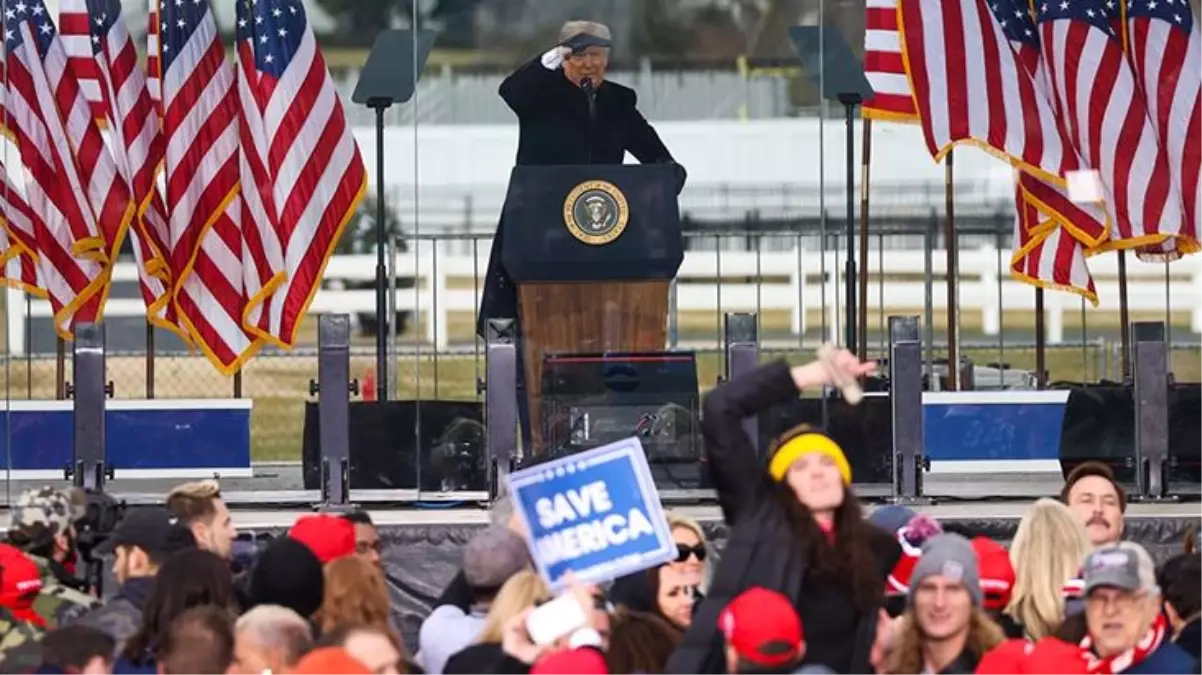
(586, 85)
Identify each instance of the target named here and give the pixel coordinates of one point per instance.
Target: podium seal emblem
(596, 212)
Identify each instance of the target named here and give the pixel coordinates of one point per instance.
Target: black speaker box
(387, 439)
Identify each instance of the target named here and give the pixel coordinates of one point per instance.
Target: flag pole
(149, 359)
(865, 163)
(953, 358)
(1041, 370)
(1124, 316)
(60, 369)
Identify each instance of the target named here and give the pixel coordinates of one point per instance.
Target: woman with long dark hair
(796, 528)
(188, 579)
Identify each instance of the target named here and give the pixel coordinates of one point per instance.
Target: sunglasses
(683, 552)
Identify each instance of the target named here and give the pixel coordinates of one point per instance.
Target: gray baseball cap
(1124, 565)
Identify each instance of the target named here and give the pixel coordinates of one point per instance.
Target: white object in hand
(850, 388)
(555, 619)
(1084, 186)
(554, 57)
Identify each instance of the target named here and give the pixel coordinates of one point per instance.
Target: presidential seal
(596, 212)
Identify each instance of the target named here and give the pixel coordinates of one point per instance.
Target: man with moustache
(1095, 496)
(568, 114)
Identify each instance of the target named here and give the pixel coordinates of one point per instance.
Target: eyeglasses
(683, 552)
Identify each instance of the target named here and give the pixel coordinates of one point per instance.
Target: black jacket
(556, 129)
(484, 658)
(763, 549)
(1190, 638)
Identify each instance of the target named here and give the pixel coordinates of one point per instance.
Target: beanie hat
(807, 443)
(290, 575)
(910, 533)
(997, 573)
(328, 536)
(950, 556)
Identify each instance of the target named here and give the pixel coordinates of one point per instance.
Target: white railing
(747, 281)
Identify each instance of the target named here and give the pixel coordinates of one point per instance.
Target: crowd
(807, 582)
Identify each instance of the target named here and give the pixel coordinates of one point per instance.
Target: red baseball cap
(763, 628)
(329, 537)
(330, 660)
(579, 661)
(997, 574)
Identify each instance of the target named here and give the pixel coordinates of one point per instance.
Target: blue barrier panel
(177, 438)
(994, 431)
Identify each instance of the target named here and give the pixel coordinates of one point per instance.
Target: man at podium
(568, 114)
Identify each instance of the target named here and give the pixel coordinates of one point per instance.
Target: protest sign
(595, 514)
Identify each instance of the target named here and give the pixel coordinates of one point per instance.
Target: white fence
(746, 281)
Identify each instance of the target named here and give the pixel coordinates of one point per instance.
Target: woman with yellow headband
(795, 525)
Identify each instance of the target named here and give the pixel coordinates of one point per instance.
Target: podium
(591, 250)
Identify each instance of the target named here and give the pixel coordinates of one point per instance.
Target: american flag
(1048, 256)
(154, 77)
(200, 125)
(886, 71)
(98, 43)
(884, 66)
(301, 169)
(1106, 119)
(18, 262)
(1164, 46)
(970, 87)
(81, 207)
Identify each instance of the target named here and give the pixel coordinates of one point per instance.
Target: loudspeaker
(864, 431)
(387, 439)
(1099, 425)
(589, 400)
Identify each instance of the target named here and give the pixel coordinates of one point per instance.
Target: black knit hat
(288, 574)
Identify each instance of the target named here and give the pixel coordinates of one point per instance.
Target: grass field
(279, 384)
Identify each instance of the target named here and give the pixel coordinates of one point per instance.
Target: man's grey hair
(277, 628)
(589, 27)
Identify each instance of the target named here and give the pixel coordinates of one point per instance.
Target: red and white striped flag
(893, 99)
(886, 71)
(200, 125)
(970, 87)
(82, 207)
(1107, 120)
(154, 73)
(1164, 47)
(301, 169)
(98, 44)
(19, 267)
(1048, 256)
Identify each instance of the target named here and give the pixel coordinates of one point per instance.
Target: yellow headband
(805, 444)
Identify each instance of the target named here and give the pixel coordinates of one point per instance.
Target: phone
(557, 618)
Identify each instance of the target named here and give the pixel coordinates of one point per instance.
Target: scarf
(1118, 663)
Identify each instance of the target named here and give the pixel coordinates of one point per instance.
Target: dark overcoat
(556, 129)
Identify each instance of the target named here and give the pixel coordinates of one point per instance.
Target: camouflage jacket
(121, 615)
(20, 651)
(57, 603)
